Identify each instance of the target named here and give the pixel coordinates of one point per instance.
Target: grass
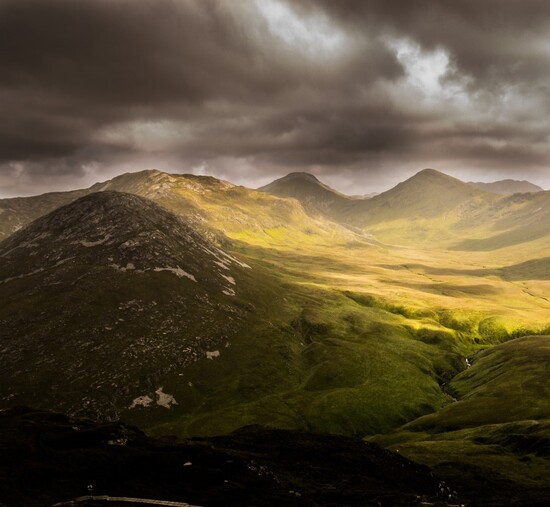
(500, 425)
(358, 338)
(330, 331)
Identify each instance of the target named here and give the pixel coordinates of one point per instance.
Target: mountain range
(433, 208)
(186, 305)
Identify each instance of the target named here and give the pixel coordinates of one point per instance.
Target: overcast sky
(363, 93)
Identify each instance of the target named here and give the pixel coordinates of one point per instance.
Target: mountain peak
(114, 230)
(432, 175)
(430, 180)
(301, 176)
(314, 195)
(427, 194)
(128, 294)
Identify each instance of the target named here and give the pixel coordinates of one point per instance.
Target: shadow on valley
(503, 240)
(534, 269)
(450, 290)
(431, 270)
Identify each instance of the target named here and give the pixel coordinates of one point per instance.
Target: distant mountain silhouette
(315, 196)
(508, 187)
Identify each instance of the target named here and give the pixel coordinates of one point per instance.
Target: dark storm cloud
(252, 89)
(489, 39)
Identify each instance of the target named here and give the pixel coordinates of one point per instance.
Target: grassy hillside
(498, 430)
(325, 328)
(350, 336)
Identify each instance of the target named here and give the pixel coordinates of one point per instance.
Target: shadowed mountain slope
(57, 456)
(105, 298)
(316, 197)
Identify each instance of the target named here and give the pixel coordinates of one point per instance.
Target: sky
(362, 93)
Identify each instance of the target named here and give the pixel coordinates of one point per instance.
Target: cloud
(365, 90)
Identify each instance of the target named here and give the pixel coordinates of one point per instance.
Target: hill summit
(427, 194)
(123, 231)
(315, 196)
(124, 295)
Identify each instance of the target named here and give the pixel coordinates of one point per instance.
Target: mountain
(106, 298)
(508, 187)
(315, 197)
(519, 221)
(190, 306)
(113, 306)
(424, 208)
(428, 194)
(430, 207)
(436, 209)
(133, 233)
(17, 212)
(215, 207)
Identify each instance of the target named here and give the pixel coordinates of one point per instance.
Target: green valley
(190, 306)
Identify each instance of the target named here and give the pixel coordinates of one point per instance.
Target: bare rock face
(107, 300)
